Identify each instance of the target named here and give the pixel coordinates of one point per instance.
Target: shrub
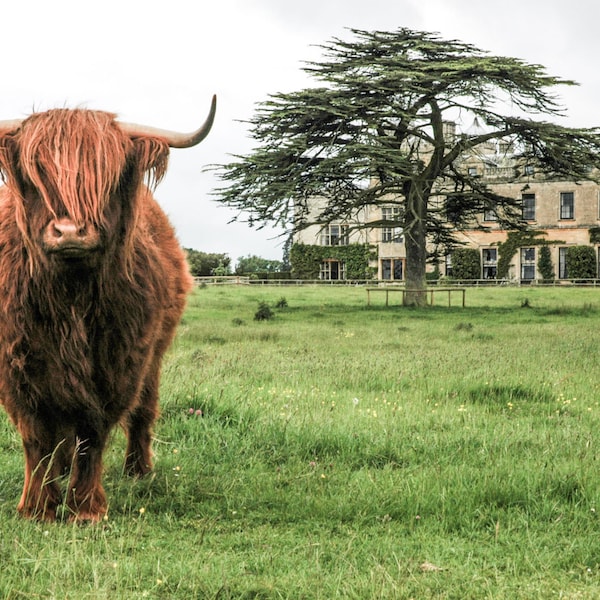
(581, 262)
(281, 303)
(545, 266)
(433, 275)
(466, 263)
(264, 312)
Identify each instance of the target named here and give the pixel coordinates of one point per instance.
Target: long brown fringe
(75, 159)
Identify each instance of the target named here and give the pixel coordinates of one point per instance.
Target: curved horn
(10, 126)
(173, 138)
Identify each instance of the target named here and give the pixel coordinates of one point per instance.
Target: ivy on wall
(306, 260)
(594, 235)
(545, 266)
(514, 241)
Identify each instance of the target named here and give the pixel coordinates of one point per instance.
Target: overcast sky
(158, 62)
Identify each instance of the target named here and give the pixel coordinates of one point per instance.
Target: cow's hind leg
(138, 458)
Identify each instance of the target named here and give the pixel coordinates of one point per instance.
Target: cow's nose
(69, 237)
(66, 230)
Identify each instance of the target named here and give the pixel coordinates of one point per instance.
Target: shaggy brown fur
(83, 330)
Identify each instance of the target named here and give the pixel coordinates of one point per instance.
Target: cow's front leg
(41, 493)
(86, 499)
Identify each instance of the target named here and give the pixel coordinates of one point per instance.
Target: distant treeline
(205, 264)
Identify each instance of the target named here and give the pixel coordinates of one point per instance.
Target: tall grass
(344, 451)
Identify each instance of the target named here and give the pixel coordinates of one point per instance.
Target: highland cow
(92, 286)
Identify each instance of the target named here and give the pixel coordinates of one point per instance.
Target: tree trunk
(415, 236)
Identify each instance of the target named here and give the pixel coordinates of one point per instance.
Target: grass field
(345, 451)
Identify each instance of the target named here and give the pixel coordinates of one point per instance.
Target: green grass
(346, 451)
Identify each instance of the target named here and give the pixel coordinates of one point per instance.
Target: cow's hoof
(87, 517)
(48, 515)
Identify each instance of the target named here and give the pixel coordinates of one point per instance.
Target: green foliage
(581, 262)
(256, 264)
(466, 263)
(204, 264)
(594, 235)
(306, 260)
(545, 266)
(264, 312)
(282, 303)
(285, 259)
(433, 275)
(221, 270)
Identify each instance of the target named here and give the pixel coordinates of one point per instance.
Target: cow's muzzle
(69, 239)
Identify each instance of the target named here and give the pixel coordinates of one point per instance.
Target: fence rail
(222, 280)
(247, 280)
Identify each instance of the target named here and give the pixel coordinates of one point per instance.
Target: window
(332, 270)
(527, 263)
(334, 235)
(391, 234)
(392, 269)
(528, 205)
(472, 171)
(490, 262)
(489, 215)
(449, 265)
(562, 263)
(529, 170)
(504, 147)
(567, 205)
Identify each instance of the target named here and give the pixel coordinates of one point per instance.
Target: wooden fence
(247, 280)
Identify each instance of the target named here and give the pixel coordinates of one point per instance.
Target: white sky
(159, 62)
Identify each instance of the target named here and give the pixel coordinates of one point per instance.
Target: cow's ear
(151, 157)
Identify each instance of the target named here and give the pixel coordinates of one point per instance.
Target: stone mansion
(568, 213)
